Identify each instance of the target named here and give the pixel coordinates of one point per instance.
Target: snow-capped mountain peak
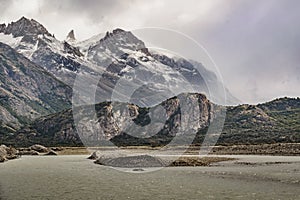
(23, 27)
(112, 46)
(122, 39)
(115, 55)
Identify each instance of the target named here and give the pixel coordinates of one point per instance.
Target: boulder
(39, 148)
(2, 159)
(93, 156)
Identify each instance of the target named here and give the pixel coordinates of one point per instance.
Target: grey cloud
(93, 9)
(4, 5)
(258, 42)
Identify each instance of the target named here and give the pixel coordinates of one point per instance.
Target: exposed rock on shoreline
(144, 161)
(93, 156)
(51, 153)
(131, 161)
(27, 152)
(7, 153)
(37, 149)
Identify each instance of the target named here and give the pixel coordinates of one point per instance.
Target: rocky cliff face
(27, 91)
(123, 122)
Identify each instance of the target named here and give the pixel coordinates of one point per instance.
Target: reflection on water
(74, 177)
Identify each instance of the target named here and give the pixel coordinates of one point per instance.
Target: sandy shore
(280, 149)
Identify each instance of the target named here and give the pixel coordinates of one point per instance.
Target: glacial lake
(75, 177)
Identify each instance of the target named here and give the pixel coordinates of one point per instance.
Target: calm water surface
(75, 177)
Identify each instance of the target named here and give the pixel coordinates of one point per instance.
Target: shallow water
(75, 177)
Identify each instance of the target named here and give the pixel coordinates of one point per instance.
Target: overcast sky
(255, 43)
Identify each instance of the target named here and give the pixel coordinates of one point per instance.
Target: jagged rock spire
(71, 37)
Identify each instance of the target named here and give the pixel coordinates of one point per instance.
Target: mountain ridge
(37, 72)
(244, 124)
(23, 27)
(119, 51)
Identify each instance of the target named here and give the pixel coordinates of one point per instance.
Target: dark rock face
(27, 91)
(72, 50)
(2, 28)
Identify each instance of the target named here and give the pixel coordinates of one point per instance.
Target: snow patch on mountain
(10, 40)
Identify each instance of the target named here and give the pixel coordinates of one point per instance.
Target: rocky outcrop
(39, 148)
(94, 156)
(71, 37)
(105, 155)
(8, 153)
